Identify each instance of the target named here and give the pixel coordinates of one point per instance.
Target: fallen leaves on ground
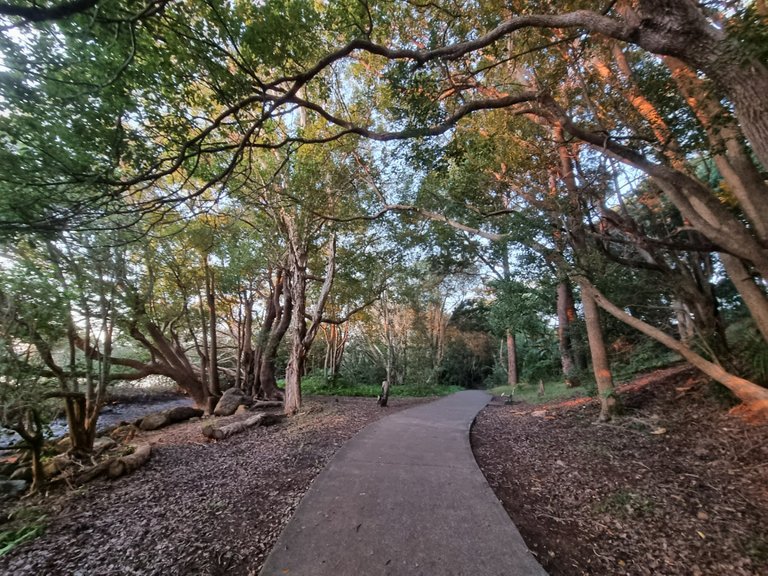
(676, 486)
(197, 507)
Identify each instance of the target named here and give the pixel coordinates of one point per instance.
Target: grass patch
(555, 390)
(318, 386)
(624, 504)
(29, 524)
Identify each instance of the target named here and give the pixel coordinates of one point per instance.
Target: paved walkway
(405, 498)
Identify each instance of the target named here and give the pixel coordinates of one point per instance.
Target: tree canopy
(222, 182)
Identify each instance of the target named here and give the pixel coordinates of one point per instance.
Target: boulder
(229, 402)
(55, 465)
(22, 473)
(124, 433)
(12, 487)
(63, 445)
(7, 468)
(155, 421)
(103, 443)
(182, 413)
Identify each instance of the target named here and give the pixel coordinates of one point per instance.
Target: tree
(24, 392)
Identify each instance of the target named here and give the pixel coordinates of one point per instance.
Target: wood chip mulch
(676, 486)
(198, 507)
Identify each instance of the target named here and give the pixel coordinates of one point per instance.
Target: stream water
(110, 415)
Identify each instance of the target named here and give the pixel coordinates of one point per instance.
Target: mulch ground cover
(676, 486)
(198, 507)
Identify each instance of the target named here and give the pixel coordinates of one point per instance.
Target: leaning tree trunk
(600, 365)
(754, 298)
(680, 28)
(754, 397)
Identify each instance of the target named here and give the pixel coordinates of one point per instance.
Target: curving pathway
(405, 498)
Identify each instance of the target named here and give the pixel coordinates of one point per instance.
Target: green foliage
(626, 504)
(468, 361)
(749, 350)
(29, 525)
(632, 356)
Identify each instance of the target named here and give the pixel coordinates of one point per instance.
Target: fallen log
(267, 404)
(127, 464)
(91, 473)
(260, 419)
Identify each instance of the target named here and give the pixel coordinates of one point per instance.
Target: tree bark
(727, 143)
(754, 298)
(214, 385)
(600, 365)
(272, 334)
(302, 335)
(566, 316)
(512, 375)
(694, 200)
(384, 396)
(261, 419)
(127, 464)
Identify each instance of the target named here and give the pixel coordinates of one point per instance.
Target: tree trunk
(297, 330)
(566, 316)
(127, 464)
(81, 438)
(30, 428)
(261, 419)
(213, 362)
(206, 354)
(725, 137)
(384, 396)
(600, 364)
(282, 314)
(294, 372)
(512, 376)
(694, 200)
(685, 328)
(679, 28)
(754, 298)
(303, 335)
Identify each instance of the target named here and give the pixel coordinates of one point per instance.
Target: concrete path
(405, 498)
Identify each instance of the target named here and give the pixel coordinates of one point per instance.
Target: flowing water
(111, 415)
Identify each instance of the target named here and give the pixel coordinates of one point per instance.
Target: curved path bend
(404, 497)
